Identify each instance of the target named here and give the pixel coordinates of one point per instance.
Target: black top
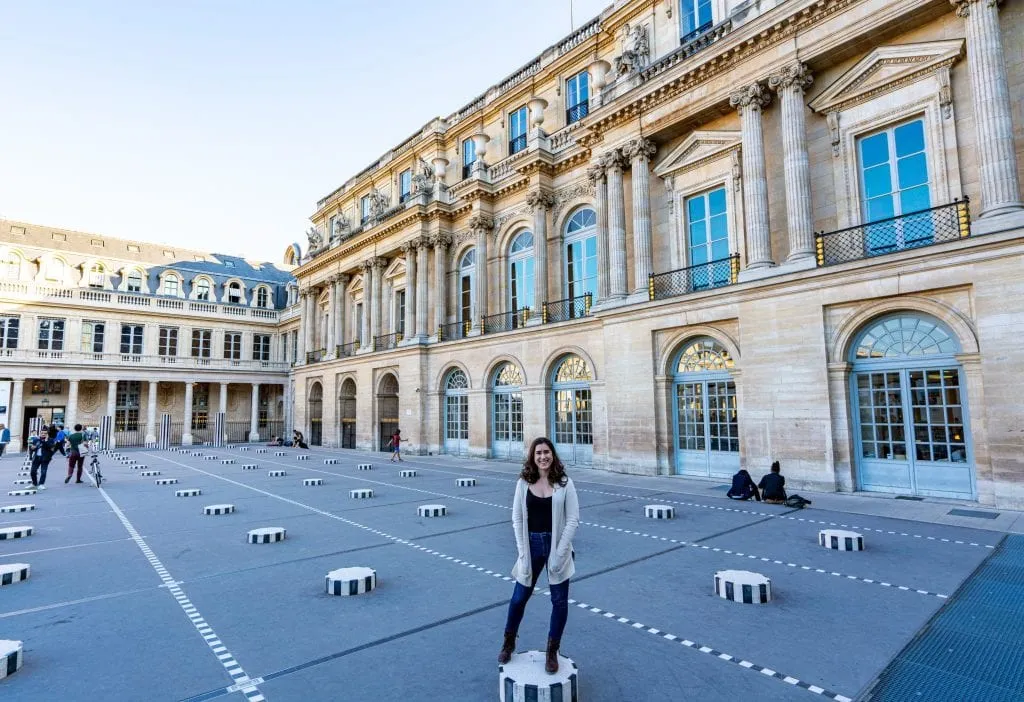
(772, 487)
(538, 513)
(742, 485)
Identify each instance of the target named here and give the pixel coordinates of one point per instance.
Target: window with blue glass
(404, 185)
(517, 131)
(364, 209)
(468, 157)
(707, 239)
(581, 254)
(520, 272)
(894, 185)
(695, 17)
(577, 94)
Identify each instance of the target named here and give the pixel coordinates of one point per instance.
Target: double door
(706, 428)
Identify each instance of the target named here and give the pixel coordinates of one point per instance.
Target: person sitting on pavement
(743, 487)
(773, 490)
(277, 441)
(299, 441)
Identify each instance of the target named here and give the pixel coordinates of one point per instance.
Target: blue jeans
(38, 470)
(540, 548)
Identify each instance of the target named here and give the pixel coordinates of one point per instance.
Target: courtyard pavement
(135, 594)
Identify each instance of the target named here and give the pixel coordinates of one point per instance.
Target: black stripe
(12, 663)
(368, 584)
(573, 683)
(748, 594)
(764, 592)
(532, 693)
(353, 587)
(556, 692)
(7, 579)
(730, 592)
(509, 689)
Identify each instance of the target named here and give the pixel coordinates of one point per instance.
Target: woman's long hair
(531, 473)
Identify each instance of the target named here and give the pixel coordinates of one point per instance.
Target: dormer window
(97, 274)
(134, 282)
(203, 289)
(171, 286)
(262, 297)
(234, 293)
(364, 209)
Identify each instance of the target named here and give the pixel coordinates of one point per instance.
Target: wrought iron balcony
(564, 310)
(453, 331)
(687, 38)
(346, 350)
(577, 112)
(910, 231)
(702, 276)
(517, 144)
(386, 342)
(467, 170)
(316, 356)
(504, 321)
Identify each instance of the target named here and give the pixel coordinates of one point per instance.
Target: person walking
(545, 516)
(5, 438)
(396, 445)
(75, 457)
(45, 447)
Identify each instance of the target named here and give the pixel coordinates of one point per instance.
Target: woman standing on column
(545, 515)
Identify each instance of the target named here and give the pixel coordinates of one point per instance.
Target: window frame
(573, 113)
(261, 347)
(134, 279)
(233, 346)
(364, 209)
(9, 324)
(468, 157)
(687, 34)
(518, 121)
(404, 185)
(57, 327)
(167, 341)
(580, 236)
(96, 328)
(202, 343)
(526, 259)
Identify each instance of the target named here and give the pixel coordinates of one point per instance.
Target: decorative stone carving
(441, 240)
(796, 76)
(611, 159)
(636, 49)
(480, 221)
(378, 203)
(316, 239)
(945, 92)
(586, 188)
(341, 226)
(423, 178)
(539, 200)
(737, 170)
(962, 8)
(595, 173)
(507, 215)
(639, 148)
(833, 129)
(754, 96)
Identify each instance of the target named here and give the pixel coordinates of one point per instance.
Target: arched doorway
(909, 407)
(573, 410)
(316, 414)
(706, 426)
(348, 414)
(387, 410)
(507, 412)
(456, 413)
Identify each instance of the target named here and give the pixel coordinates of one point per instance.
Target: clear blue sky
(217, 124)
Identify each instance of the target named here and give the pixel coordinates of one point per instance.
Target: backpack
(797, 502)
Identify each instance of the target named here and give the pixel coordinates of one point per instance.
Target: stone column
(639, 152)
(111, 397)
(151, 388)
(311, 320)
(254, 414)
(332, 317)
(790, 83)
(16, 415)
(186, 429)
(596, 174)
(339, 310)
(378, 296)
(612, 162)
(750, 101)
(223, 404)
(539, 203)
(71, 411)
(1000, 188)
(422, 278)
(441, 243)
(365, 342)
(411, 284)
(303, 324)
(480, 224)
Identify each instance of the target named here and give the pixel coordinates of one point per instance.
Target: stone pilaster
(332, 317)
(1000, 188)
(186, 429)
(422, 278)
(222, 401)
(376, 310)
(441, 243)
(613, 162)
(639, 152)
(539, 203)
(411, 281)
(481, 225)
(17, 413)
(750, 101)
(300, 338)
(365, 342)
(111, 397)
(311, 320)
(71, 411)
(254, 414)
(151, 389)
(791, 83)
(340, 310)
(596, 174)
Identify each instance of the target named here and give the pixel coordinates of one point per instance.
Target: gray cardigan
(565, 518)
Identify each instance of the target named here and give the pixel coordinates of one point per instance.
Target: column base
(638, 296)
(150, 440)
(803, 263)
(254, 436)
(186, 439)
(608, 303)
(765, 270)
(1001, 220)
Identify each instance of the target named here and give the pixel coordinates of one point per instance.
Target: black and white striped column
(407, 473)
(17, 508)
(188, 492)
(351, 581)
(302, 457)
(840, 540)
(23, 492)
(266, 535)
(659, 511)
(166, 481)
(277, 473)
(214, 510)
(361, 493)
(250, 466)
(149, 473)
(365, 466)
(11, 573)
(330, 461)
(432, 510)
(523, 679)
(165, 432)
(743, 586)
(11, 657)
(15, 532)
(312, 482)
(465, 482)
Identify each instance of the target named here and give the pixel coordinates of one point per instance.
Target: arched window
(171, 286)
(573, 410)
(97, 273)
(202, 286)
(706, 426)
(507, 412)
(581, 254)
(520, 272)
(909, 406)
(133, 283)
(348, 414)
(456, 413)
(316, 411)
(467, 274)
(234, 293)
(10, 266)
(263, 297)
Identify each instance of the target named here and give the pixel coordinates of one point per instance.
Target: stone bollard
(465, 482)
(11, 657)
(743, 586)
(407, 473)
(311, 482)
(523, 679)
(214, 510)
(188, 492)
(166, 481)
(15, 532)
(11, 573)
(17, 508)
(839, 540)
(659, 512)
(351, 581)
(361, 493)
(277, 473)
(266, 535)
(432, 510)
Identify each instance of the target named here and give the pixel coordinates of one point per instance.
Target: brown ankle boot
(507, 648)
(551, 664)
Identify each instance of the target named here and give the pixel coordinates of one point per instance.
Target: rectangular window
(202, 340)
(168, 342)
(171, 286)
(262, 297)
(295, 347)
(261, 347)
(364, 209)
(695, 18)
(468, 157)
(233, 346)
(201, 406)
(9, 332)
(400, 312)
(51, 334)
(517, 122)
(404, 185)
(92, 337)
(577, 97)
(134, 282)
(581, 267)
(131, 339)
(707, 239)
(126, 412)
(357, 333)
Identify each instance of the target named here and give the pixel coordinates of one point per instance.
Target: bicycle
(94, 469)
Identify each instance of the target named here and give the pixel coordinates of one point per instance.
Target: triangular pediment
(356, 283)
(696, 149)
(396, 268)
(886, 68)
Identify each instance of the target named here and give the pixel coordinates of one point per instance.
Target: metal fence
(315, 356)
(453, 331)
(237, 432)
(703, 276)
(910, 231)
(504, 321)
(272, 427)
(386, 342)
(130, 438)
(564, 310)
(346, 350)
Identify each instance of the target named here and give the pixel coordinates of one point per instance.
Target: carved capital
(539, 200)
(367, 265)
(611, 159)
(409, 247)
(380, 263)
(595, 173)
(753, 97)
(344, 279)
(962, 8)
(441, 241)
(480, 222)
(796, 76)
(639, 149)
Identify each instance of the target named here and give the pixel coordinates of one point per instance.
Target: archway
(348, 414)
(456, 413)
(387, 410)
(705, 413)
(316, 414)
(573, 414)
(507, 412)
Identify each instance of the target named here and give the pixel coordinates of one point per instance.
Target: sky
(218, 124)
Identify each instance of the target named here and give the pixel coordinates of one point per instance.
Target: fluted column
(422, 278)
(540, 202)
(639, 152)
(750, 101)
(186, 428)
(411, 275)
(1000, 187)
(151, 389)
(254, 413)
(111, 397)
(481, 226)
(378, 297)
(71, 411)
(612, 162)
(300, 338)
(791, 83)
(365, 342)
(596, 174)
(332, 317)
(339, 310)
(311, 320)
(441, 243)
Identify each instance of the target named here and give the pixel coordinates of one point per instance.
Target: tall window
(364, 209)
(357, 333)
(295, 346)
(92, 337)
(171, 286)
(51, 334)
(202, 341)
(400, 311)
(262, 297)
(9, 332)
(10, 266)
(261, 347)
(131, 339)
(203, 289)
(468, 157)
(573, 410)
(467, 267)
(168, 341)
(581, 253)
(520, 272)
(134, 282)
(577, 97)
(126, 412)
(695, 17)
(404, 185)
(201, 406)
(233, 346)
(234, 293)
(97, 275)
(517, 124)
(707, 239)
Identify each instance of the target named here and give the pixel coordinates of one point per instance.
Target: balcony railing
(516, 145)
(688, 47)
(702, 276)
(467, 170)
(687, 38)
(316, 356)
(564, 310)
(386, 342)
(910, 231)
(453, 331)
(91, 358)
(504, 321)
(577, 112)
(346, 350)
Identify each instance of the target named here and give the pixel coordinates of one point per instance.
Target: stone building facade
(693, 236)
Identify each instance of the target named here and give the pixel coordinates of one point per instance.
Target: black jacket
(773, 487)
